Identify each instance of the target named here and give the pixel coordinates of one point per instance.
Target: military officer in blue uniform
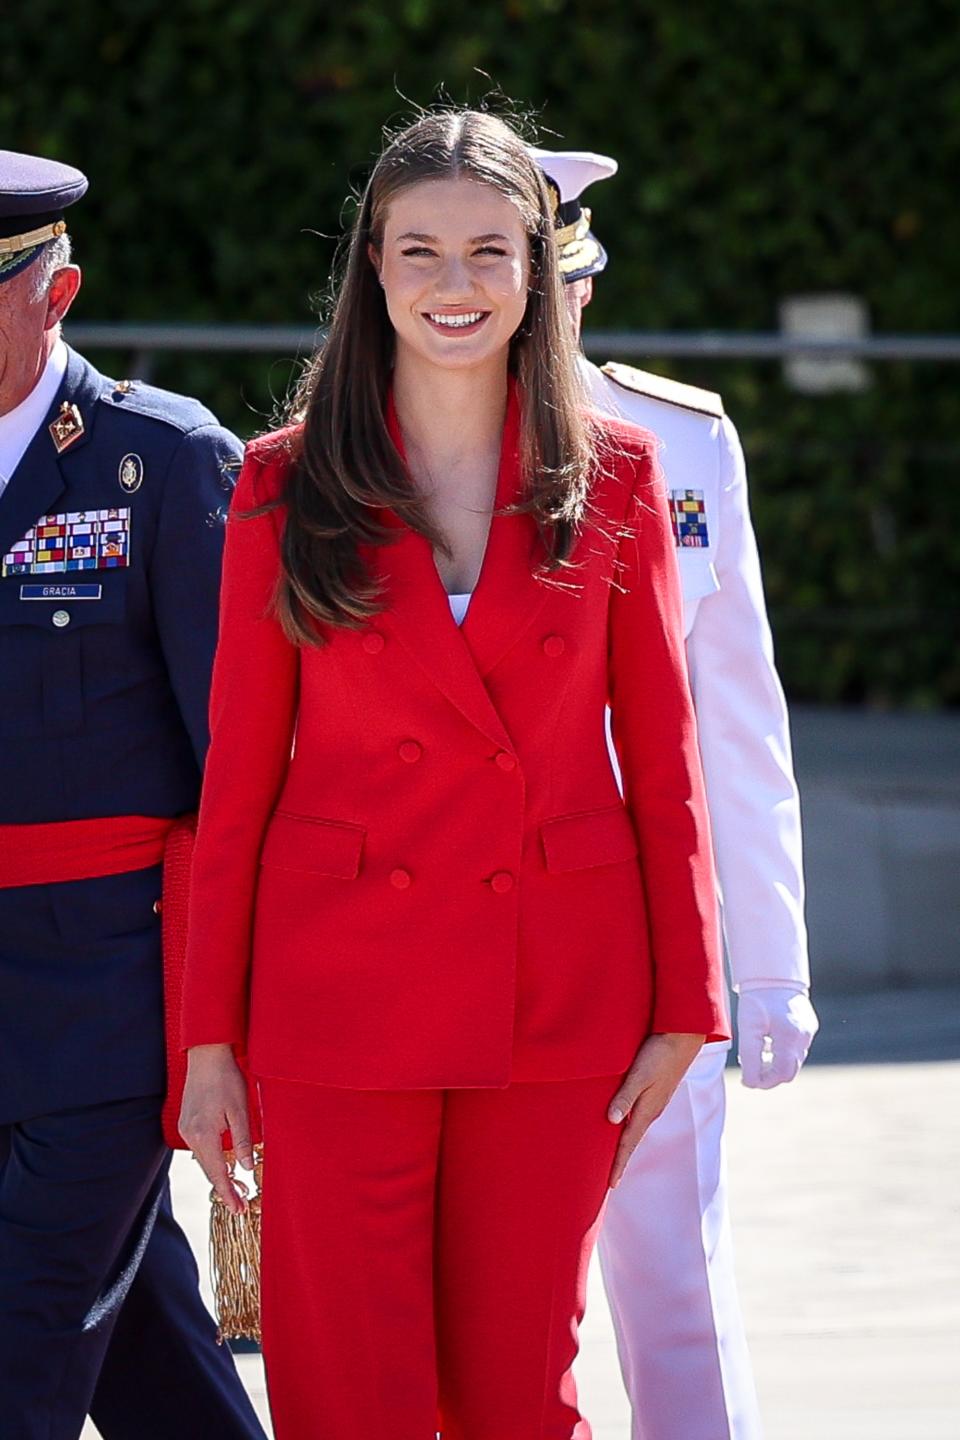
(112, 498)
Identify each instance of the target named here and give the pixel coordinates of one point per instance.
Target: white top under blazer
(458, 606)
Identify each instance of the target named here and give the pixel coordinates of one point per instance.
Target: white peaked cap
(568, 173)
(573, 170)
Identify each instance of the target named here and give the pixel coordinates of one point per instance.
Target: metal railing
(146, 340)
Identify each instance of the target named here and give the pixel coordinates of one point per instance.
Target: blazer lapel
(417, 609)
(508, 594)
(417, 613)
(38, 481)
(505, 603)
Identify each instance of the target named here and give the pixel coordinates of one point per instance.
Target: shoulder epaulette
(136, 398)
(671, 392)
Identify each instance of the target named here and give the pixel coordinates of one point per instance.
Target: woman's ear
(373, 255)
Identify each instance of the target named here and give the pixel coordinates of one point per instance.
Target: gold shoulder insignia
(658, 387)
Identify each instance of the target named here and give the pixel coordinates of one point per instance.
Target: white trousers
(667, 1260)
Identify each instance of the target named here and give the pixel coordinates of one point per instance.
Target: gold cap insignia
(67, 427)
(10, 244)
(553, 192)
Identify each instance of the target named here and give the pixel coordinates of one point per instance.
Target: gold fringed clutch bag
(235, 1256)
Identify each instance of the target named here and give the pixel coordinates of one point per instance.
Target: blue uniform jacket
(105, 669)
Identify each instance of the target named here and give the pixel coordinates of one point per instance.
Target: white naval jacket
(741, 711)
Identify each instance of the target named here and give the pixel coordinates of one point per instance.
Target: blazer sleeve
(253, 705)
(745, 743)
(655, 737)
(185, 567)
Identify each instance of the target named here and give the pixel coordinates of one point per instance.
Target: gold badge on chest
(67, 428)
(131, 473)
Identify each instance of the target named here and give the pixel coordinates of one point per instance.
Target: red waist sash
(80, 849)
(87, 849)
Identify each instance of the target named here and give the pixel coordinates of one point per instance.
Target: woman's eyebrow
(432, 239)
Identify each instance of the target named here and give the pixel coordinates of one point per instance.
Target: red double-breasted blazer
(414, 867)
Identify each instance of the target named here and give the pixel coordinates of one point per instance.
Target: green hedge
(766, 149)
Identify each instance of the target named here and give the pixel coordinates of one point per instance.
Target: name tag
(61, 592)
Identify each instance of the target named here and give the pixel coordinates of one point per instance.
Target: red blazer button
(502, 882)
(157, 906)
(373, 643)
(410, 751)
(554, 645)
(506, 761)
(400, 879)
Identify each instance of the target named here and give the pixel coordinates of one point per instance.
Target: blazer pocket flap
(319, 847)
(598, 837)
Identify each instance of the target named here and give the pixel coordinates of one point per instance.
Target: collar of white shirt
(18, 426)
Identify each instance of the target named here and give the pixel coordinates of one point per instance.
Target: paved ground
(847, 1221)
(881, 830)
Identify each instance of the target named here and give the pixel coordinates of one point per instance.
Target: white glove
(776, 1026)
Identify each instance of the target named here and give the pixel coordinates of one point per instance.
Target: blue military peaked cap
(34, 193)
(568, 173)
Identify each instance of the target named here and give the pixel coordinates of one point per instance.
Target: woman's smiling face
(455, 268)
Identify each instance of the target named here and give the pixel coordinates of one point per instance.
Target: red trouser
(425, 1257)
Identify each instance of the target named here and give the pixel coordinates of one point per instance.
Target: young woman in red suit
(467, 975)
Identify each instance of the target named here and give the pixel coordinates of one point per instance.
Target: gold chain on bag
(235, 1256)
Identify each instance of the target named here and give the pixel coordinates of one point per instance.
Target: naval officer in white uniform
(665, 1247)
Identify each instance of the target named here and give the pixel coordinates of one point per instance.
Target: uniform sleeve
(185, 567)
(253, 707)
(745, 744)
(656, 742)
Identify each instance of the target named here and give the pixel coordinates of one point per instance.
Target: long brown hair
(347, 468)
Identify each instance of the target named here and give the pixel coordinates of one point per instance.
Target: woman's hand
(661, 1063)
(214, 1100)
